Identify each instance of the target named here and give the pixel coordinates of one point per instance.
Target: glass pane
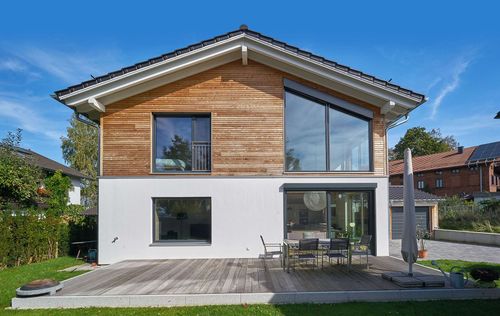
(306, 214)
(182, 143)
(201, 129)
(349, 214)
(173, 144)
(349, 142)
(305, 134)
(182, 219)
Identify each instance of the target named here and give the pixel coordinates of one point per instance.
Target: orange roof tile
(443, 160)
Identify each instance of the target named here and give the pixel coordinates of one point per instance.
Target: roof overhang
(92, 100)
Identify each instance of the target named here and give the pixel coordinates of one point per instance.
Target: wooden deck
(219, 276)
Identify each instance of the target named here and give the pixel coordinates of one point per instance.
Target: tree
(19, 177)
(80, 151)
(422, 142)
(180, 150)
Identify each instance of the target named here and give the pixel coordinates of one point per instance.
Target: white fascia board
(112, 90)
(153, 71)
(330, 73)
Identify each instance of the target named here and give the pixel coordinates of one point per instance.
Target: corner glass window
(182, 143)
(182, 219)
(349, 142)
(319, 137)
(305, 134)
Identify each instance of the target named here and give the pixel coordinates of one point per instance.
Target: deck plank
(215, 276)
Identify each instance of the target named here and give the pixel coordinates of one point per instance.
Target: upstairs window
(321, 137)
(455, 171)
(182, 143)
(439, 183)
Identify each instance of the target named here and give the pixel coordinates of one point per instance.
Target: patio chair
(308, 251)
(339, 248)
(362, 248)
(269, 253)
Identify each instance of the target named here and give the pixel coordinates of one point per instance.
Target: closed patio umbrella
(409, 249)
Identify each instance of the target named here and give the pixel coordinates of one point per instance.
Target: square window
(182, 143)
(182, 219)
(439, 183)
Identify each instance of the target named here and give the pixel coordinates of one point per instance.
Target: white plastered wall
(242, 209)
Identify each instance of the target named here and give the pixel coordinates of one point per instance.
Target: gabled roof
(91, 97)
(396, 194)
(442, 160)
(49, 164)
(249, 33)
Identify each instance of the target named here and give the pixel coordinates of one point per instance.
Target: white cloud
(28, 119)
(450, 85)
(69, 66)
(12, 65)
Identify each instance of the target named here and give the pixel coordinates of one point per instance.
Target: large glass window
(305, 134)
(327, 214)
(349, 142)
(182, 219)
(182, 143)
(321, 138)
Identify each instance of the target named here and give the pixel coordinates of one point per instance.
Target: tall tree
(19, 177)
(80, 151)
(423, 142)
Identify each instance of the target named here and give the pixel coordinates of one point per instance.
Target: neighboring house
(466, 172)
(205, 148)
(50, 166)
(426, 210)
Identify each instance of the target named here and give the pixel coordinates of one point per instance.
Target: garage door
(421, 216)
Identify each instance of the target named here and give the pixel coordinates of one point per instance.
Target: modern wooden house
(205, 148)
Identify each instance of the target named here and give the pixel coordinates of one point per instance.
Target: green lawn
(446, 265)
(12, 278)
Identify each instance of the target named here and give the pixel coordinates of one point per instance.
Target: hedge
(30, 236)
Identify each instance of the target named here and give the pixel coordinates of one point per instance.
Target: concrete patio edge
(44, 302)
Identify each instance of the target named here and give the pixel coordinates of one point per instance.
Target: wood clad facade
(247, 116)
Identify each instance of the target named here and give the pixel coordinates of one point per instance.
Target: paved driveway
(450, 250)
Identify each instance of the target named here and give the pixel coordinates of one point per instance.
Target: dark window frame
(372, 224)
(153, 134)
(327, 106)
(180, 242)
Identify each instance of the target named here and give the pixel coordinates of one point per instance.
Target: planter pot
(422, 254)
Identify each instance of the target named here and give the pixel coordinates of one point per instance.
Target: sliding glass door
(328, 214)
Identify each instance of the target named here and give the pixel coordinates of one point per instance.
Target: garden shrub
(462, 215)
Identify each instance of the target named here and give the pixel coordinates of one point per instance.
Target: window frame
(440, 180)
(155, 115)
(420, 182)
(327, 105)
(179, 242)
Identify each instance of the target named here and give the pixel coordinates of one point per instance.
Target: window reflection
(306, 128)
(349, 144)
(305, 134)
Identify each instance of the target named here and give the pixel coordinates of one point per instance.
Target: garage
(421, 216)
(426, 210)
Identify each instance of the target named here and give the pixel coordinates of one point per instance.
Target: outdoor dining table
(290, 244)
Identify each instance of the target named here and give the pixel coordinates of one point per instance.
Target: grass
(12, 278)
(446, 265)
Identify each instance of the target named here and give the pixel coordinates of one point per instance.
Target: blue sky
(448, 51)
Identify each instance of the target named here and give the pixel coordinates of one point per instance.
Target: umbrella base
(402, 279)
